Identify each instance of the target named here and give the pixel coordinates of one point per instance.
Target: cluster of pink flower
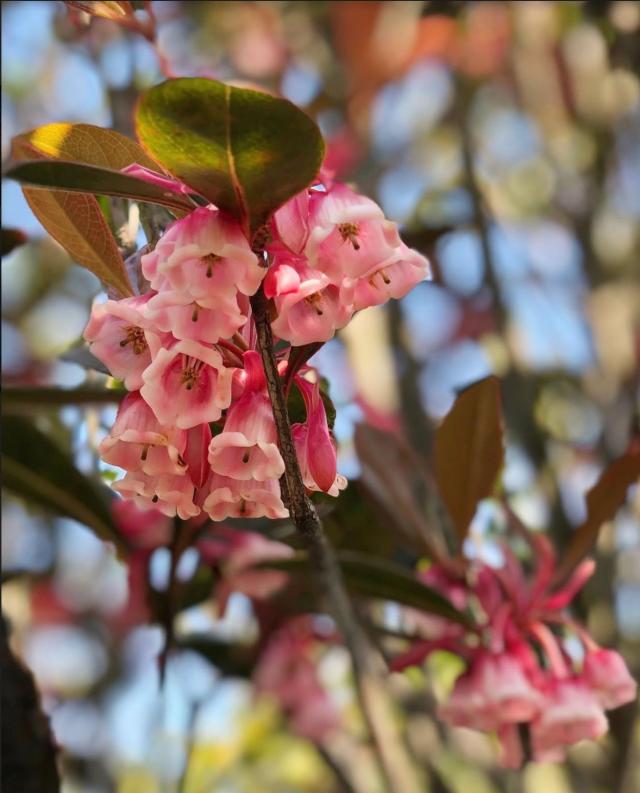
(519, 673)
(196, 433)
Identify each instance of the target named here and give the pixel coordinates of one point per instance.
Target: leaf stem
(396, 764)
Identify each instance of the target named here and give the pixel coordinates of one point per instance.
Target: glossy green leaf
(80, 178)
(469, 451)
(378, 578)
(36, 469)
(246, 151)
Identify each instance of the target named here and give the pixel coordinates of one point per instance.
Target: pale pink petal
(119, 336)
(391, 279)
(138, 442)
(247, 448)
(570, 714)
(232, 498)
(177, 312)
(349, 233)
(292, 222)
(187, 385)
(606, 674)
(280, 280)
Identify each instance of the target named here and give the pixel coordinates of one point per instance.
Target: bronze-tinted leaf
(603, 501)
(74, 219)
(469, 451)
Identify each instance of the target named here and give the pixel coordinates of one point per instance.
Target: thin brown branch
(397, 766)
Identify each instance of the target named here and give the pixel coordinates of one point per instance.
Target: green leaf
(246, 151)
(469, 451)
(603, 501)
(378, 578)
(38, 471)
(26, 400)
(79, 178)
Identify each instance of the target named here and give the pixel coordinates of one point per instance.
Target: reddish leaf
(469, 451)
(603, 501)
(393, 479)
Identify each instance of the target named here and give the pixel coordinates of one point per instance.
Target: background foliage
(503, 136)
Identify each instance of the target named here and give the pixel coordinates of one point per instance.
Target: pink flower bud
(314, 445)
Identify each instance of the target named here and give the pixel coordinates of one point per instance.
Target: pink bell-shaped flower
(495, 691)
(391, 279)
(138, 442)
(607, 675)
(247, 447)
(238, 498)
(171, 494)
(187, 385)
(119, 336)
(350, 235)
(205, 321)
(570, 713)
(206, 255)
(314, 310)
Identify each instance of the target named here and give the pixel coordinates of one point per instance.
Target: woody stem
(393, 756)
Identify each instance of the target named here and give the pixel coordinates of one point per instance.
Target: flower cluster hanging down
(196, 432)
(519, 673)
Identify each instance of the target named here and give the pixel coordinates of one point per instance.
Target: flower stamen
(136, 338)
(349, 231)
(210, 259)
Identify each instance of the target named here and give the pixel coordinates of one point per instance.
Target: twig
(340, 774)
(368, 667)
